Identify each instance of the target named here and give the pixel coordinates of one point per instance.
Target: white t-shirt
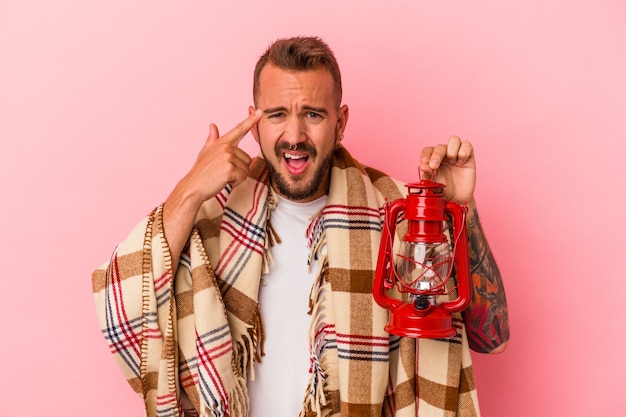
(281, 378)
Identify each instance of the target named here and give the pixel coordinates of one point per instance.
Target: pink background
(104, 106)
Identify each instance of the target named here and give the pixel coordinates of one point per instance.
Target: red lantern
(422, 269)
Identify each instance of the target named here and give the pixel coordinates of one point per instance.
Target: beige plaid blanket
(188, 344)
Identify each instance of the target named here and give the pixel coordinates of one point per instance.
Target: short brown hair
(299, 54)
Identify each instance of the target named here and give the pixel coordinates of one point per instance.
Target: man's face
(300, 127)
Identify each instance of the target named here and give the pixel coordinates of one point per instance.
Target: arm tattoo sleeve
(487, 318)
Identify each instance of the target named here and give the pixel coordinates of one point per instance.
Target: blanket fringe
(315, 401)
(316, 238)
(257, 336)
(242, 360)
(272, 237)
(240, 402)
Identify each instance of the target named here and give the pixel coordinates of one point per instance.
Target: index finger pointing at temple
(235, 135)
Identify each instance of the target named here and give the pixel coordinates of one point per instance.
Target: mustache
(302, 147)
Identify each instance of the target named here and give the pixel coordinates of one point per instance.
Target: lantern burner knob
(421, 302)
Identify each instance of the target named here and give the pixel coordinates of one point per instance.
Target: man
(249, 290)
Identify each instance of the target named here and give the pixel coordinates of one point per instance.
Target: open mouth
(296, 163)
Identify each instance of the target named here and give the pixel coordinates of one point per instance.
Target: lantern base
(406, 320)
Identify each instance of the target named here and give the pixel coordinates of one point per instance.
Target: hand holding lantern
(423, 265)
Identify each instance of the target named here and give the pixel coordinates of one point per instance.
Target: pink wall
(103, 106)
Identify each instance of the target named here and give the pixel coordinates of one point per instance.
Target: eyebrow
(316, 110)
(274, 110)
(320, 110)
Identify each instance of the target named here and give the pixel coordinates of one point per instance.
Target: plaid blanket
(188, 345)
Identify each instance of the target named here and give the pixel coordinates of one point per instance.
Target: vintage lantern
(422, 269)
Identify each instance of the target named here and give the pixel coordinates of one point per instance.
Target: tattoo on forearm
(487, 318)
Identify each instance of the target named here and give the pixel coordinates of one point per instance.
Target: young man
(248, 292)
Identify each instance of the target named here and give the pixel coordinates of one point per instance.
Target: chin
(295, 193)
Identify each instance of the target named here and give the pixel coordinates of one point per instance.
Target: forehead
(277, 84)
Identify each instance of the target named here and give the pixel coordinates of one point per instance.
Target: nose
(294, 131)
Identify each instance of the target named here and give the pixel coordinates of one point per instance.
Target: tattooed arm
(487, 317)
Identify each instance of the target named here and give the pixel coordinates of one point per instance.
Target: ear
(342, 120)
(255, 129)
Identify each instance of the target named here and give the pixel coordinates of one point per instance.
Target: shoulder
(391, 188)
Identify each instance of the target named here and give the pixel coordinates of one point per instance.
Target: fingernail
(257, 112)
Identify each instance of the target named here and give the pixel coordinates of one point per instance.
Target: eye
(276, 115)
(313, 117)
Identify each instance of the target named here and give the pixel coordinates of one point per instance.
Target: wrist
(182, 204)
(471, 206)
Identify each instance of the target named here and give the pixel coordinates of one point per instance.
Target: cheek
(268, 138)
(266, 135)
(324, 139)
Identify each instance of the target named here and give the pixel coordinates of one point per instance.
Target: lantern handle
(432, 176)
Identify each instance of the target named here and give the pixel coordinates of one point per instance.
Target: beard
(295, 188)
